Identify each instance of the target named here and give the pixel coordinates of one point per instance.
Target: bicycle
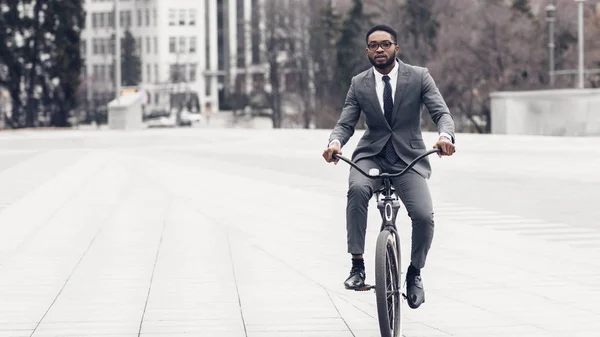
(387, 250)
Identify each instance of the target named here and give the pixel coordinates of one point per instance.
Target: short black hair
(384, 28)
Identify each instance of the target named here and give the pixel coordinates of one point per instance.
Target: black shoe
(415, 295)
(356, 279)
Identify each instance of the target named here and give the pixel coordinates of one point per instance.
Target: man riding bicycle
(390, 94)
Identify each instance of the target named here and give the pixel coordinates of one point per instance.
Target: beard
(388, 63)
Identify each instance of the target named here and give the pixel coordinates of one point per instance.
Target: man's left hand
(446, 145)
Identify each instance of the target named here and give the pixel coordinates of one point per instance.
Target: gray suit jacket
(414, 88)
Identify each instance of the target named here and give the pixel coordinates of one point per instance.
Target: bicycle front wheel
(387, 284)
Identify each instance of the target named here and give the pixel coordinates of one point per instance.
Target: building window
(147, 17)
(172, 45)
(177, 73)
(148, 44)
(148, 73)
(94, 20)
(155, 45)
(155, 17)
(182, 72)
(139, 45)
(193, 42)
(124, 19)
(193, 72)
(156, 75)
(173, 72)
(139, 17)
(182, 44)
(182, 17)
(258, 82)
(156, 98)
(172, 17)
(192, 18)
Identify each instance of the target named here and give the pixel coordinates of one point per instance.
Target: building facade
(201, 50)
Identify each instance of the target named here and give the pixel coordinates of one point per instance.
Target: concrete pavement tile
(165, 323)
(304, 324)
(92, 327)
(494, 330)
(411, 329)
(201, 327)
(299, 333)
(222, 327)
(586, 333)
(14, 328)
(81, 334)
(201, 311)
(15, 333)
(204, 334)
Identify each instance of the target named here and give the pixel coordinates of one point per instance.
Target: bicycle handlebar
(386, 175)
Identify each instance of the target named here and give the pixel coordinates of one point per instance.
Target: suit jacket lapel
(401, 84)
(372, 95)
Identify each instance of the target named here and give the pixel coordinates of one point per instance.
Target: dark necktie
(388, 107)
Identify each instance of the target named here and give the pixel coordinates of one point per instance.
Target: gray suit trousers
(413, 190)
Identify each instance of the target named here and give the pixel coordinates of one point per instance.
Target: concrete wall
(568, 112)
(125, 113)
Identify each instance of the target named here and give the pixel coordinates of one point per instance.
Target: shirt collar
(392, 74)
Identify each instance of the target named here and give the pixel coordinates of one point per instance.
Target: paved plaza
(237, 232)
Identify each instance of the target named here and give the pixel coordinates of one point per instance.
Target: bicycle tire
(387, 284)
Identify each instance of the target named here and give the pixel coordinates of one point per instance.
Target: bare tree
(288, 59)
(487, 46)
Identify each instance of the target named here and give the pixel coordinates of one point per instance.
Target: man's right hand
(328, 153)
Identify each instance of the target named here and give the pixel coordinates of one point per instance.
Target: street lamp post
(580, 41)
(551, 18)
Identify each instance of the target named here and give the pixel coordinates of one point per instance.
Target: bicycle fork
(388, 208)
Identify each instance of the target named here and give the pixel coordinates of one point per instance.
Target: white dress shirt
(380, 84)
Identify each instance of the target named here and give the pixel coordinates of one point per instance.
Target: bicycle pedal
(366, 287)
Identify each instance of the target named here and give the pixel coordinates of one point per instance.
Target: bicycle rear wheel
(387, 284)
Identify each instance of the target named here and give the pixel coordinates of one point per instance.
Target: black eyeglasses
(385, 45)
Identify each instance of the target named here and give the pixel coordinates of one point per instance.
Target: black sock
(412, 271)
(358, 263)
